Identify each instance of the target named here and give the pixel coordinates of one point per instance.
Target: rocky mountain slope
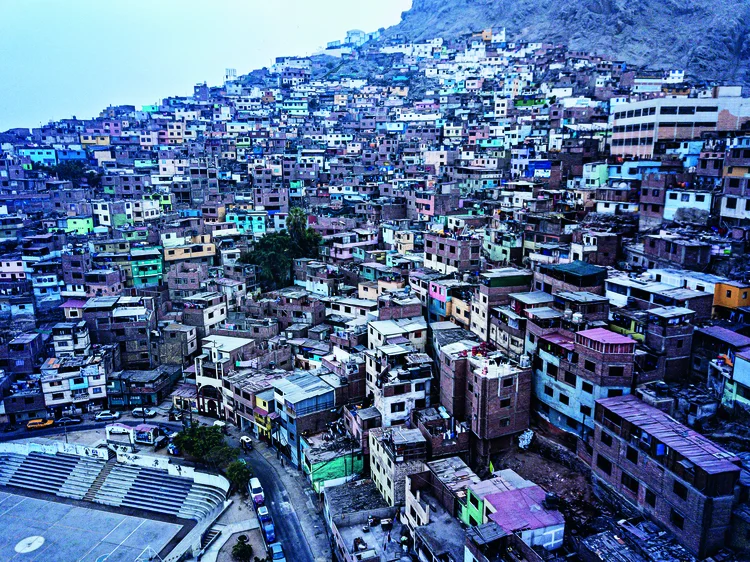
(710, 39)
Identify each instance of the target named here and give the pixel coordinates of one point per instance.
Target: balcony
(80, 397)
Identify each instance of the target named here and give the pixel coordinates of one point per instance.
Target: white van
(256, 491)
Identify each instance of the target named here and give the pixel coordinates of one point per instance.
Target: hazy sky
(60, 58)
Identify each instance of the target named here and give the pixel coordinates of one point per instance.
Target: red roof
(559, 339)
(522, 509)
(603, 335)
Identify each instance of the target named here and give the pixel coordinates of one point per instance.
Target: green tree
(206, 445)
(242, 551)
(239, 474)
(274, 254)
(305, 240)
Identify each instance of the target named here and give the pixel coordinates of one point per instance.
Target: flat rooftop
(37, 529)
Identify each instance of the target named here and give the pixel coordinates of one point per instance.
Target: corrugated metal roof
(690, 444)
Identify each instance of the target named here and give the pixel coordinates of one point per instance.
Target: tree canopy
(239, 474)
(206, 445)
(274, 254)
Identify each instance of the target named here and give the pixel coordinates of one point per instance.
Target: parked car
(160, 442)
(39, 423)
(246, 443)
(276, 553)
(256, 492)
(68, 420)
(263, 514)
(107, 415)
(8, 428)
(269, 532)
(143, 412)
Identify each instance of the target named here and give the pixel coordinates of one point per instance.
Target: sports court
(37, 530)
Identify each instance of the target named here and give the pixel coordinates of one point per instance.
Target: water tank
(577, 318)
(568, 314)
(524, 362)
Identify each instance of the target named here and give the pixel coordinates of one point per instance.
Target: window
(673, 196)
(616, 371)
(729, 294)
(589, 365)
(731, 202)
(650, 498)
(505, 403)
(676, 519)
(570, 378)
(587, 387)
(586, 411)
(564, 399)
(612, 392)
(632, 455)
(604, 464)
(507, 382)
(548, 391)
(505, 422)
(398, 407)
(629, 482)
(680, 490)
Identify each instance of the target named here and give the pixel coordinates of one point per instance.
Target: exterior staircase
(210, 536)
(97, 484)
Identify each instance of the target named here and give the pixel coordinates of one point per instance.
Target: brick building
(657, 467)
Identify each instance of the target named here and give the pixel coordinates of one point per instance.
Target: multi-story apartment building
(71, 339)
(659, 468)
(639, 127)
(74, 383)
(398, 380)
(451, 253)
(206, 311)
(572, 371)
(395, 452)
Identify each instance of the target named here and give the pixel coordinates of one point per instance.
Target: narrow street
(292, 503)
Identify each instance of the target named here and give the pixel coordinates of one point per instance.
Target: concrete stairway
(96, 485)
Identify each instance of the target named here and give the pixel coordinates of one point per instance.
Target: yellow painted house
(729, 296)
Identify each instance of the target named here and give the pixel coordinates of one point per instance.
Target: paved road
(24, 433)
(288, 528)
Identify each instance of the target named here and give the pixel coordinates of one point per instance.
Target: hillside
(710, 39)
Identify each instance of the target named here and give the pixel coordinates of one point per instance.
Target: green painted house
(146, 266)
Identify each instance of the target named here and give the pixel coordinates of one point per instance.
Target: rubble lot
(557, 469)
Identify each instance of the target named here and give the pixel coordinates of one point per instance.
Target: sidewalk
(239, 518)
(304, 502)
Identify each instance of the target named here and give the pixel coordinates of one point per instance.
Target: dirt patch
(558, 470)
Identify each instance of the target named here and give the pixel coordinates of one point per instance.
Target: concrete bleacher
(155, 490)
(112, 483)
(67, 476)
